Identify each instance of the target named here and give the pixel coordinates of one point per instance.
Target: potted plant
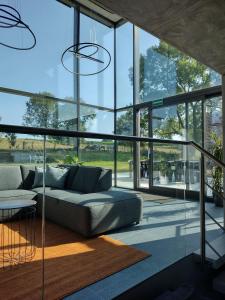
(71, 160)
(217, 172)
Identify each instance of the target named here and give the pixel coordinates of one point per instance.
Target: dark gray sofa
(87, 204)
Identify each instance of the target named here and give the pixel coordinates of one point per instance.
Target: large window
(39, 70)
(165, 71)
(97, 89)
(124, 65)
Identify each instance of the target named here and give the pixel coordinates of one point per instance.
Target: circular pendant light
(78, 50)
(11, 18)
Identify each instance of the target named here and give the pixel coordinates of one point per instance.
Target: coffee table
(17, 232)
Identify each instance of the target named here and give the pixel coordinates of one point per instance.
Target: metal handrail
(115, 137)
(93, 135)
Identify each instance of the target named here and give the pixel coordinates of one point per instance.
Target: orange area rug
(71, 262)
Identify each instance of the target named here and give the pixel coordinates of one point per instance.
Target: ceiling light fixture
(78, 51)
(11, 18)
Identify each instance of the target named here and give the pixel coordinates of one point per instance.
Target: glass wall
(97, 89)
(165, 71)
(39, 70)
(124, 65)
(36, 91)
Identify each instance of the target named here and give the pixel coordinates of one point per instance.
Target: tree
(48, 113)
(166, 71)
(41, 112)
(124, 124)
(11, 137)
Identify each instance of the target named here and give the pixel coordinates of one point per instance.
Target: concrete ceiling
(196, 27)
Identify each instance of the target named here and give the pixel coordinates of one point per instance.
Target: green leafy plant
(217, 172)
(72, 160)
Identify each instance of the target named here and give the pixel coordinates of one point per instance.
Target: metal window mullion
(115, 112)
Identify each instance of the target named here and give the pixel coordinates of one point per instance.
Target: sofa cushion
(56, 177)
(94, 213)
(38, 178)
(40, 189)
(86, 179)
(105, 181)
(28, 174)
(54, 196)
(58, 194)
(10, 178)
(71, 174)
(17, 194)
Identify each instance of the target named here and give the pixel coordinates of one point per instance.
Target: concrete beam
(196, 27)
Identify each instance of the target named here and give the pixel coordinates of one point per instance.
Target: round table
(17, 232)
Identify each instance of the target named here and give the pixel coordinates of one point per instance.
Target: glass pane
(125, 164)
(195, 126)
(165, 71)
(193, 169)
(213, 143)
(40, 69)
(20, 228)
(169, 122)
(124, 122)
(169, 164)
(145, 150)
(92, 120)
(213, 120)
(97, 89)
(37, 111)
(98, 153)
(124, 65)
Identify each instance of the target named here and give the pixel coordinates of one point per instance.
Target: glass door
(144, 159)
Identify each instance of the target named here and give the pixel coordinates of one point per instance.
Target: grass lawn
(121, 165)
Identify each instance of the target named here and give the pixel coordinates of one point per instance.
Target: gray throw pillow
(86, 179)
(38, 178)
(55, 177)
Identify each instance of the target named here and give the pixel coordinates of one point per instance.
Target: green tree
(48, 113)
(124, 124)
(41, 112)
(11, 138)
(166, 71)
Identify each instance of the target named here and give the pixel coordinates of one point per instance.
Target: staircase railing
(80, 134)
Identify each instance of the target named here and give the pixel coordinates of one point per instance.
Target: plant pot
(163, 179)
(217, 200)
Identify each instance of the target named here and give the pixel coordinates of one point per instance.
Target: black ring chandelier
(76, 50)
(11, 18)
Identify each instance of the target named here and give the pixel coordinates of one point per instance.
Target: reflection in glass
(38, 111)
(94, 120)
(97, 89)
(41, 68)
(125, 164)
(166, 71)
(124, 65)
(124, 123)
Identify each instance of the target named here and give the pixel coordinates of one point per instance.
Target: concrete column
(223, 135)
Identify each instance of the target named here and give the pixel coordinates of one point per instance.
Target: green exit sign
(157, 102)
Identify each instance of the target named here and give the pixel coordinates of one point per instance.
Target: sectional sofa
(86, 203)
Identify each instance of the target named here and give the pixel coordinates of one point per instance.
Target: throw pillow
(56, 177)
(86, 179)
(38, 178)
